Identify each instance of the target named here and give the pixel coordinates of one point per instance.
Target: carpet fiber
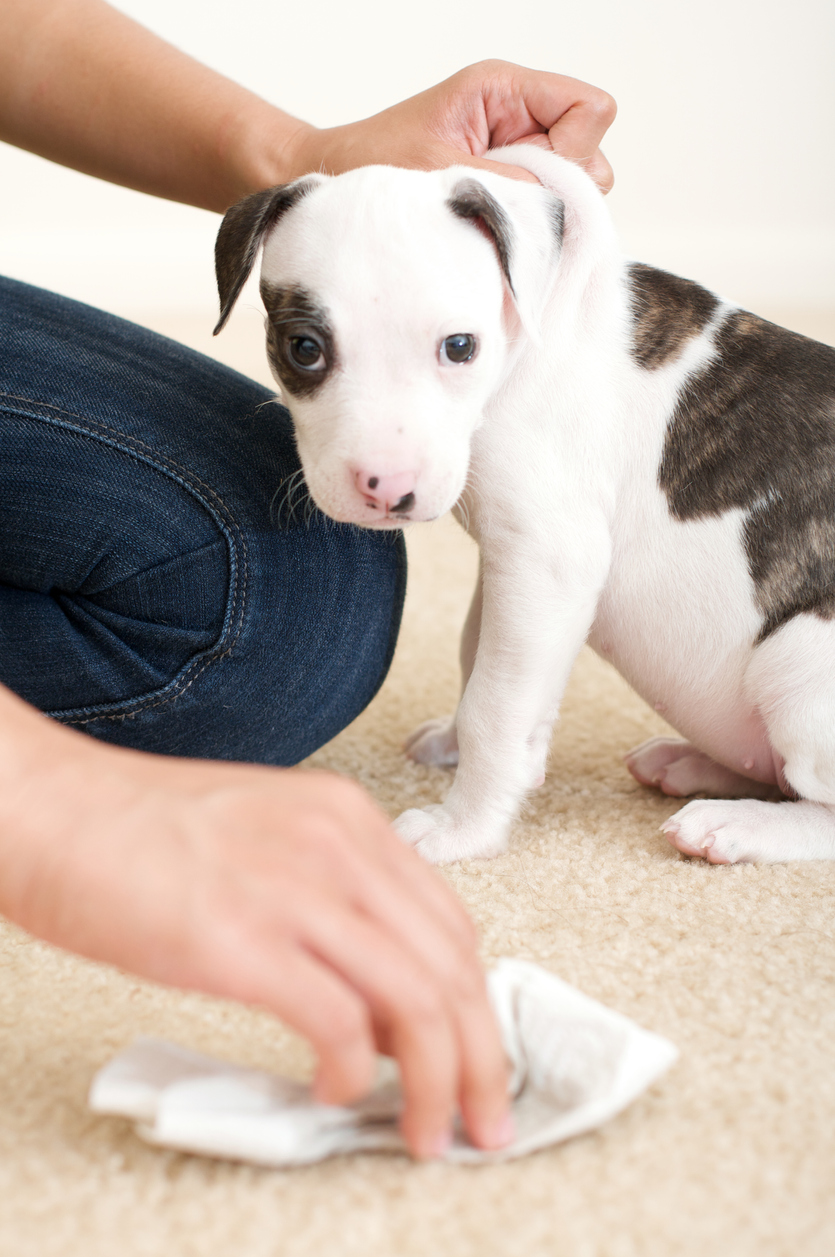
(731, 1154)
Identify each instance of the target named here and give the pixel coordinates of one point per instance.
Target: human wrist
(265, 147)
(46, 772)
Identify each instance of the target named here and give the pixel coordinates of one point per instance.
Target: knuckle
(349, 795)
(348, 788)
(488, 65)
(425, 1006)
(481, 74)
(338, 802)
(467, 982)
(604, 106)
(321, 836)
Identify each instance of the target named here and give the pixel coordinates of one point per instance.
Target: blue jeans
(150, 594)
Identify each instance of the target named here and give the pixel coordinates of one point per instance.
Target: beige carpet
(732, 1154)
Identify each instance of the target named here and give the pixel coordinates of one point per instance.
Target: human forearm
(84, 85)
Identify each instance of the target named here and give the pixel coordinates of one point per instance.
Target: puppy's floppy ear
(470, 199)
(241, 232)
(525, 224)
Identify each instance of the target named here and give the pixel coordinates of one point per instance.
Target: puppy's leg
(676, 768)
(791, 678)
(436, 741)
(536, 616)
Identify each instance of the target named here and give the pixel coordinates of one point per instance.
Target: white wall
(724, 148)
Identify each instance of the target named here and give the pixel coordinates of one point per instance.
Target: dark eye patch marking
(292, 313)
(667, 312)
(755, 430)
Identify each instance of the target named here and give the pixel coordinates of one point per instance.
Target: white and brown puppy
(645, 467)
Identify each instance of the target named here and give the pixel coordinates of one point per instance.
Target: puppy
(644, 465)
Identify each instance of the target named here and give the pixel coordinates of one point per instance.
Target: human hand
(282, 888)
(487, 105)
(83, 84)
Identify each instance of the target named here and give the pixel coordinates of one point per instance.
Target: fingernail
(503, 1133)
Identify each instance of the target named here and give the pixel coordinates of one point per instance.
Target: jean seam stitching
(217, 508)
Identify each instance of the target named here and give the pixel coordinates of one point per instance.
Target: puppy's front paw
(434, 742)
(726, 831)
(434, 835)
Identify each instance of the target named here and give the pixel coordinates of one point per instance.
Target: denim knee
(148, 594)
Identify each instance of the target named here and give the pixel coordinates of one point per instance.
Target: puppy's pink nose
(389, 494)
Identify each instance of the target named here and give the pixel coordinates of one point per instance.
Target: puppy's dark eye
(306, 352)
(458, 348)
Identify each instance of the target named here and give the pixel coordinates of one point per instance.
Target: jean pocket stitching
(216, 507)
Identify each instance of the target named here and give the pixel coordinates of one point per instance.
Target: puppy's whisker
(462, 509)
(292, 492)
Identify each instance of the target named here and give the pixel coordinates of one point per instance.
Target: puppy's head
(393, 301)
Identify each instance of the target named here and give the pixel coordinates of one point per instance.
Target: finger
(372, 835)
(341, 840)
(483, 1091)
(403, 999)
(396, 903)
(574, 115)
(459, 981)
(499, 168)
(425, 885)
(355, 843)
(577, 133)
(257, 968)
(600, 171)
(596, 166)
(580, 111)
(572, 140)
(415, 908)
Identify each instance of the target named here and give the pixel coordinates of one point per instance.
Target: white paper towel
(575, 1064)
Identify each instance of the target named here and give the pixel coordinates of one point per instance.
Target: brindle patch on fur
(755, 430)
(292, 312)
(667, 312)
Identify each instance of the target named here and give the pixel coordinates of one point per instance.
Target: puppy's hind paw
(434, 742)
(435, 836)
(730, 831)
(678, 769)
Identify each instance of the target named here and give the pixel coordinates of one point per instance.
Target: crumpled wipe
(575, 1064)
